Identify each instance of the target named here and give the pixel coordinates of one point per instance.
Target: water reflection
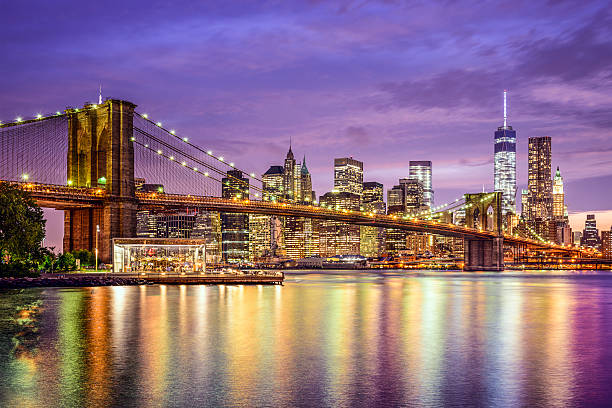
(352, 339)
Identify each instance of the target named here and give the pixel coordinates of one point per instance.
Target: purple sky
(385, 82)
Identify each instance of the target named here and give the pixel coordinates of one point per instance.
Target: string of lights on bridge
(173, 133)
(20, 120)
(428, 214)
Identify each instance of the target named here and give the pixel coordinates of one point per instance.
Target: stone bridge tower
(484, 211)
(101, 154)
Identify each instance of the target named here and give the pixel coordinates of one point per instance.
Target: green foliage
(22, 226)
(18, 269)
(87, 258)
(65, 262)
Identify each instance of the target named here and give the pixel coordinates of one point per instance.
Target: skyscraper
(421, 170)
(348, 175)
(372, 239)
(539, 200)
(234, 226)
(558, 197)
(606, 244)
(290, 181)
(339, 238)
(272, 183)
(505, 163)
(590, 234)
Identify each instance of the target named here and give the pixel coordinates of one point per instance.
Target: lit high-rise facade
(505, 163)
(606, 244)
(234, 226)
(539, 200)
(372, 239)
(558, 197)
(590, 234)
(339, 238)
(348, 175)
(421, 170)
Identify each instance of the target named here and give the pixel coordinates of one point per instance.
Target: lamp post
(97, 232)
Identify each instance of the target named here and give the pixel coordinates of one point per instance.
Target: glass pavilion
(159, 255)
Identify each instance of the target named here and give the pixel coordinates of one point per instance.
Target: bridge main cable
(186, 140)
(192, 158)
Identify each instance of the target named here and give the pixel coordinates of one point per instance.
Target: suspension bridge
(85, 161)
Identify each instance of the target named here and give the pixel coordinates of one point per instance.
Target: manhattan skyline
(364, 80)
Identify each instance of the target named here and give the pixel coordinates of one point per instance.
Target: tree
(22, 226)
(65, 262)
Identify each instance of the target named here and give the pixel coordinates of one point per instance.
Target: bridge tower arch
(101, 154)
(484, 212)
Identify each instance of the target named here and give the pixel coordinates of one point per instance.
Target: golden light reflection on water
(325, 340)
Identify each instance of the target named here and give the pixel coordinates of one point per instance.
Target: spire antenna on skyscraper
(100, 96)
(505, 109)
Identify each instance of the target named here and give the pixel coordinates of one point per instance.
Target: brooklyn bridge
(84, 161)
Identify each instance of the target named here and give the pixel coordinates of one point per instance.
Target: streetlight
(97, 232)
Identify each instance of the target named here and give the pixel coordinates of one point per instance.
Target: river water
(330, 339)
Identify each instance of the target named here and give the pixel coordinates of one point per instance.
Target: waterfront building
(539, 200)
(348, 175)
(338, 238)
(606, 244)
(576, 237)
(234, 226)
(558, 197)
(421, 170)
(590, 234)
(505, 163)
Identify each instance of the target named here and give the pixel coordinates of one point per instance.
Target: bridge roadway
(65, 197)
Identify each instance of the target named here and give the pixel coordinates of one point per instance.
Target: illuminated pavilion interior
(162, 255)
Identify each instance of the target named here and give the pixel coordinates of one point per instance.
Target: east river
(342, 339)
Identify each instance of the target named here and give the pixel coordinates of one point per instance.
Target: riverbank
(107, 279)
(68, 281)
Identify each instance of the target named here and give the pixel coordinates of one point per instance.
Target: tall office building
(348, 175)
(272, 183)
(408, 197)
(590, 234)
(339, 238)
(372, 239)
(606, 244)
(558, 197)
(301, 237)
(291, 184)
(234, 226)
(295, 237)
(505, 163)
(207, 225)
(539, 200)
(373, 195)
(421, 170)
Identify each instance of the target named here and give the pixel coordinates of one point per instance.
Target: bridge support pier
(483, 254)
(115, 219)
